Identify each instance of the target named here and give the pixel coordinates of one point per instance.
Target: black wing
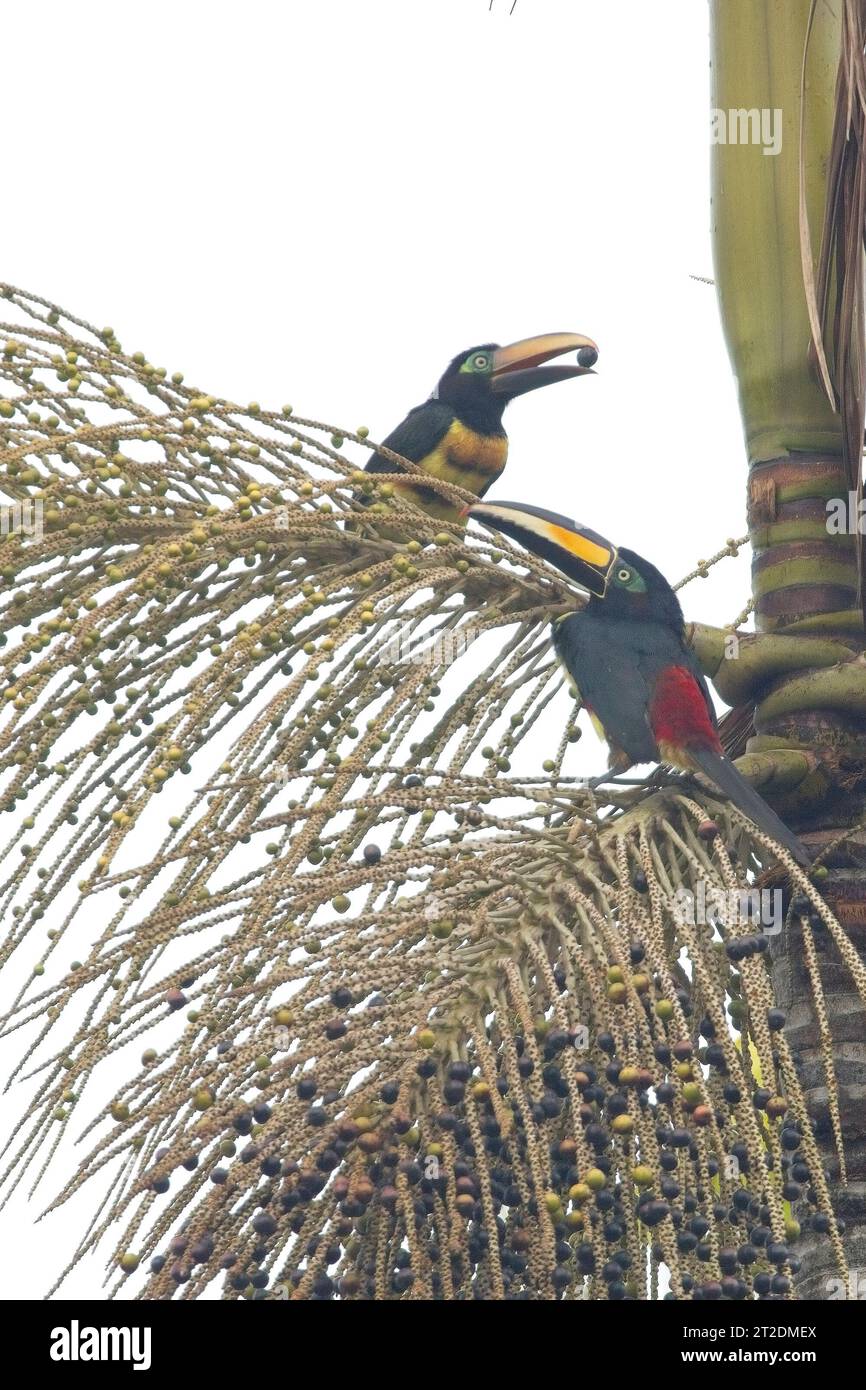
(612, 678)
(616, 666)
(416, 437)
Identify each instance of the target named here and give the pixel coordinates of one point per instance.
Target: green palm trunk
(804, 577)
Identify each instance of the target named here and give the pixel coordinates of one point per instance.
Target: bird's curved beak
(518, 367)
(578, 552)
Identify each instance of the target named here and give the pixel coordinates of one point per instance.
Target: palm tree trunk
(804, 578)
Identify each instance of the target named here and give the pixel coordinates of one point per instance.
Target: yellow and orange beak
(519, 367)
(583, 555)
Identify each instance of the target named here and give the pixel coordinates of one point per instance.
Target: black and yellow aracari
(627, 654)
(457, 435)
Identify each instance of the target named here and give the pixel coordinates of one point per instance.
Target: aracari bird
(627, 654)
(457, 435)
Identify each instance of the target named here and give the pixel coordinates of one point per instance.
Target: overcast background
(322, 201)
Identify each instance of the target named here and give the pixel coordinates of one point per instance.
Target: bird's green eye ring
(481, 361)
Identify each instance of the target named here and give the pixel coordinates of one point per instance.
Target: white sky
(322, 201)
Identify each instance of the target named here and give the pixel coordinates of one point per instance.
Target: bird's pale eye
(623, 576)
(481, 361)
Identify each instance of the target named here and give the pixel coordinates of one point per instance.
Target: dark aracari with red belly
(627, 654)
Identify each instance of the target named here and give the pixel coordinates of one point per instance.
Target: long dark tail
(726, 777)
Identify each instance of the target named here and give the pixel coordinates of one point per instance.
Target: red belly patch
(678, 713)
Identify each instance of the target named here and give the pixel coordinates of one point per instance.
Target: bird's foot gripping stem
(613, 774)
(660, 777)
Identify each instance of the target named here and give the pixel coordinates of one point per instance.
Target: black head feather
(469, 394)
(656, 600)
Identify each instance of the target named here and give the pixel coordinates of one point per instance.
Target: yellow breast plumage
(469, 460)
(473, 460)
